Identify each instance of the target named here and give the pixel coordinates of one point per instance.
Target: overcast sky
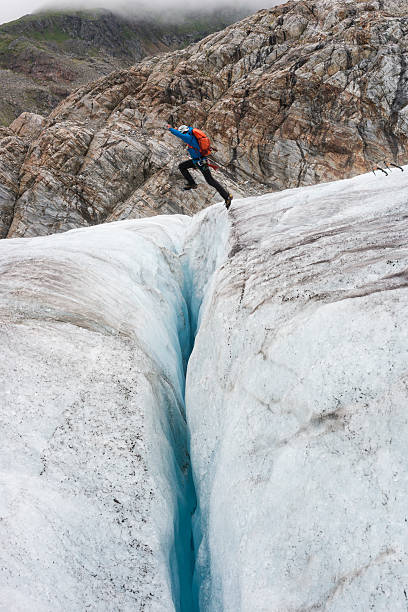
(17, 8)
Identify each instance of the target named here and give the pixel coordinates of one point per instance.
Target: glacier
(96, 484)
(209, 413)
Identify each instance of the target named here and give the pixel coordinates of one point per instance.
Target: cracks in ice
(343, 581)
(185, 587)
(183, 545)
(319, 425)
(195, 285)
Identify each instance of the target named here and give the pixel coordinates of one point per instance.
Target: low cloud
(143, 6)
(165, 8)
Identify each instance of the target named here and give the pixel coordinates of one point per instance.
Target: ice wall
(96, 496)
(296, 401)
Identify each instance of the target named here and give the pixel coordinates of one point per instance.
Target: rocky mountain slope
(295, 95)
(45, 56)
(210, 413)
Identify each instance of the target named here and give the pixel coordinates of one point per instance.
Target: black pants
(205, 171)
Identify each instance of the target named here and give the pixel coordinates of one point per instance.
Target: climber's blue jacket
(191, 140)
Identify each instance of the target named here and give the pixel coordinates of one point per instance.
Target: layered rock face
(12, 152)
(291, 96)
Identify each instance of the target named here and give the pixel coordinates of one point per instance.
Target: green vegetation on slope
(62, 50)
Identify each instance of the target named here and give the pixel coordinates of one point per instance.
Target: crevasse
(203, 252)
(281, 370)
(97, 326)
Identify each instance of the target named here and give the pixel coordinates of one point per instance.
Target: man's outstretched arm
(187, 138)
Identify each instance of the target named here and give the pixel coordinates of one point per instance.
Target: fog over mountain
(173, 8)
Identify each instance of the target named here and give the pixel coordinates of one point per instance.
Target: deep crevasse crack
(204, 250)
(100, 322)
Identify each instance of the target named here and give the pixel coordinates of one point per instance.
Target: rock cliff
(294, 95)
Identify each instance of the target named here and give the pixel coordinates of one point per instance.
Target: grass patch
(4, 43)
(127, 33)
(52, 34)
(38, 17)
(7, 114)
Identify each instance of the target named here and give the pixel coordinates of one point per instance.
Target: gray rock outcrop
(28, 125)
(12, 152)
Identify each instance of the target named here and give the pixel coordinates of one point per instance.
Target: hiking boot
(190, 186)
(228, 201)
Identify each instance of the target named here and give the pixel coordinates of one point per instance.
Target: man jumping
(199, 151)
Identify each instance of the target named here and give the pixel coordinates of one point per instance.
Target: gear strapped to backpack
(203, 143)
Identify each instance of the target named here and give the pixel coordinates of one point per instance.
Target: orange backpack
(203, 142)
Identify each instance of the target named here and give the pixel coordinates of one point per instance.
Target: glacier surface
(96, 493)
(296, 402)
(270, 345)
